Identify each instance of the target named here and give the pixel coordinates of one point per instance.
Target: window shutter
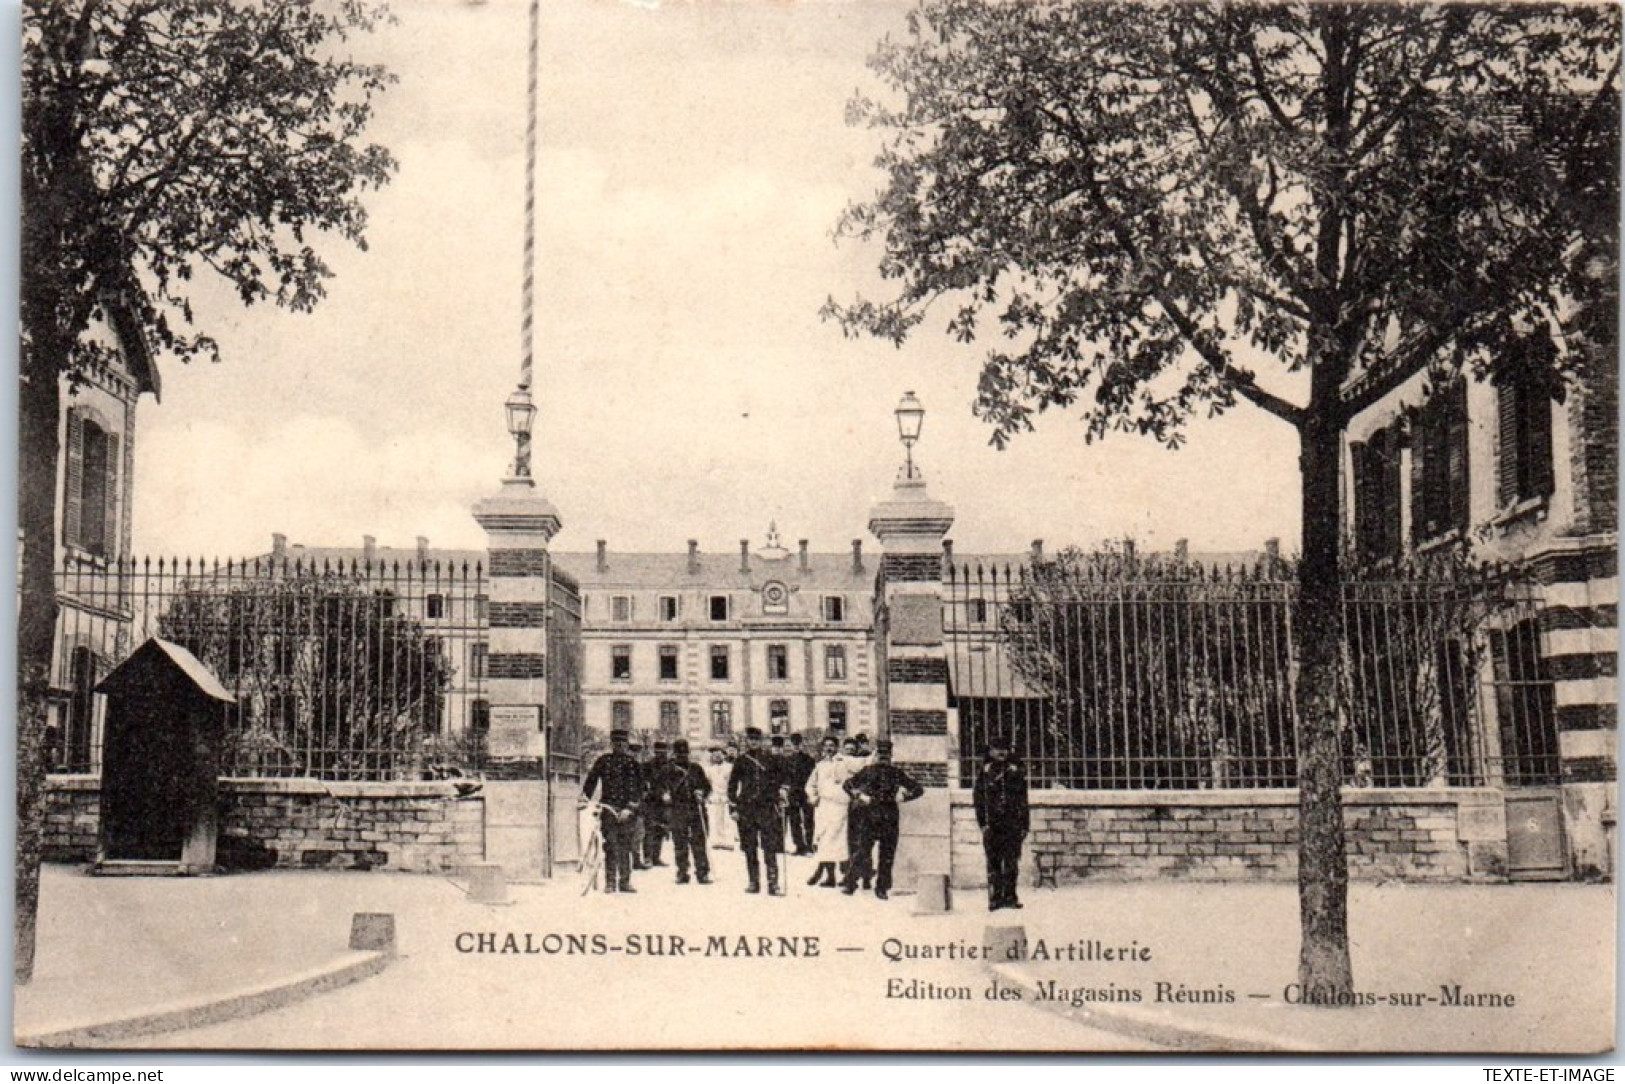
(1538, 447)
(112, 536)
(74, 478)
(1458, 477)
(1391, 510)
(1360, 456)
(1421, 468)
(1506, 445)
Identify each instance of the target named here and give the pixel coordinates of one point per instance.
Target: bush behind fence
(1115, 672)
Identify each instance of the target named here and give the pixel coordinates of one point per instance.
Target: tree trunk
(36, 636)
(1323, 961)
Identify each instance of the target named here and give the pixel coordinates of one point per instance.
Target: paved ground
(555, 970)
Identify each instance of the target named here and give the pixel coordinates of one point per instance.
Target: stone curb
(1156, 1027)
(352, 968)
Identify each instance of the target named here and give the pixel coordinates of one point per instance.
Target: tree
(163, 140)
(332, 680)
(1154, 206)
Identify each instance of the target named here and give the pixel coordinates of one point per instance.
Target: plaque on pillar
(516, 732)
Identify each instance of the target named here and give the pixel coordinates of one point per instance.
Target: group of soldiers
(841, 808)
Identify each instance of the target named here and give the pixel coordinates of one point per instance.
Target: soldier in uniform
(636, 748)
(874, 792)
(799, 811)
(856, 759)
(682, 788)
(755, 792)
(654, 813)
(617, 781)
(1000, 795)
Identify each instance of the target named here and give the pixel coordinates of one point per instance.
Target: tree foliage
(1154, 205)
(166, 139)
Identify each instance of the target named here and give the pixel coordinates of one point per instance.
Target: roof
(133, 341)
(156, 651)
(671, 570)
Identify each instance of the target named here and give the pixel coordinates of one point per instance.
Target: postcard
(835, 525)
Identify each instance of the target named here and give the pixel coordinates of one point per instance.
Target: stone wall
(1252, 835)
(303, 823)
(72, 811)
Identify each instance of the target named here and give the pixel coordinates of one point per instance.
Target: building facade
(95, 488)
(702, 645)
(1520, 469)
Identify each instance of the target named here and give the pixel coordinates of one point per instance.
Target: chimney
(857, 556)
(744, 555)
(369, 548)
(693, 557)
(948, 550)
(1182, 550)
(806, 566)
(1128, 548)
(279, 546)
(1272, 550)
(1038, 549)
(603, 555)
(423, 548)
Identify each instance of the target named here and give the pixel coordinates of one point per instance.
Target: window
(719, 607)
(778, 662)
(620, 714)
(834, 608)
(1525, 707)
(778, 716)
(837, 715)
(1376, 497)
(482, 607)
(434, 606)
(669, 717)
(668, 662)
(976, 611)
(90, 507)
(479, 716)
(719, 663)
(834, 662)
(1439, 486)
(722, 718)
(1523, 468)
(477, 655)
(620, 608)
(670, 607)
(620, 662)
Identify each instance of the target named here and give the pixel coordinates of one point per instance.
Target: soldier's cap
(795, 739)
(636, 744)
(753, 732)
(661, 744)
(678, 746)
(999, 741)
(618, 735)
(777, 742)
(861, 737)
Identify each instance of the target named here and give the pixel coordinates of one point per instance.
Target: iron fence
(1114, 673)
(344, 670)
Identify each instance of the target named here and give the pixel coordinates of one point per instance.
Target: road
(672, 966)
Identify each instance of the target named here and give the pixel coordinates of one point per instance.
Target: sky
(693, 161)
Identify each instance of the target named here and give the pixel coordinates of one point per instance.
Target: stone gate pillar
(911, 526)
(519, 523)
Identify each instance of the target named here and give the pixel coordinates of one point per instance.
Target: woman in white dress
(719, 826)
(827, 794)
